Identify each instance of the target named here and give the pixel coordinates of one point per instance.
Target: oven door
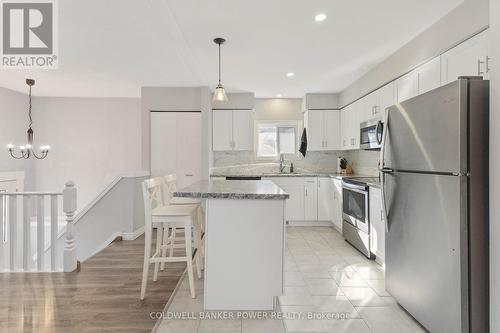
(370, 135)
(355, 205)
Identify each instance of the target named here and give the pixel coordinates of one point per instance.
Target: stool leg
(172, 242)
(189, 256)
(145, 267)
(159, 232)
(164, 250)
(201, 249)
(197, 242)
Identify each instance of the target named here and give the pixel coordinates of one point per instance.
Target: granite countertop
(287, 174)
(233, 189)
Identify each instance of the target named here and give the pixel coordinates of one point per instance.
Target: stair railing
(15, 257)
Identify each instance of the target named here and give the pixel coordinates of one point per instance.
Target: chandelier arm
(42, 156)
(14, 156)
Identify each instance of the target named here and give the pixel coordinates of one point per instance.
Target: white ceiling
(113, 47)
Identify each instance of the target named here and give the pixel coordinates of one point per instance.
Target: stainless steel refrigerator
(434, 160)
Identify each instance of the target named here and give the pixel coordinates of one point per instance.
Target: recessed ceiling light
(279, 95)
(290, 74)
(320, 17)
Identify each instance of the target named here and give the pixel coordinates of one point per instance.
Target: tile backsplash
(364, 162)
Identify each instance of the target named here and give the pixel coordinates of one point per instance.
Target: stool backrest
(169, 187)
(154, 190)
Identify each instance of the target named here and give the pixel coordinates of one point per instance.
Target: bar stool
(169, 187)
(167, 216)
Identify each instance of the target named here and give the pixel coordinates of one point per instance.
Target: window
(273, 139)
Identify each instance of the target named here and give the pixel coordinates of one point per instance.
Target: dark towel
(303, 143)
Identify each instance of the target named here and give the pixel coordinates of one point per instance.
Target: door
(311, 200)
(429, 75)
(423, 247)
(407, 86)
(163, 143)
(315, 130)
(189, 149)
(469, 58)
(429, 132)
(332, 130)
(242, 130)
(176, 146)
(325, 199)
(222, 130)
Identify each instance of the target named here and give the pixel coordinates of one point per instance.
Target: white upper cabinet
(406, 86)
(332, 129)
(222, 130)
(243, 130)
(429, 76)
(323, 129)
(313, 122)
(386, 98)
(232, 130)
(469, 58)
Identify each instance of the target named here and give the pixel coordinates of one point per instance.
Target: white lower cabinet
(337, 204)
(295, 204)
(325, 199)
(311, 198)
(377, 226)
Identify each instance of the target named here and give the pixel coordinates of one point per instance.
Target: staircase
(41, 231)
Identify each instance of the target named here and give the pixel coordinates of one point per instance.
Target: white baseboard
(133, 235)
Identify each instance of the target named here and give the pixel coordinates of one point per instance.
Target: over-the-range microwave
(370, 134)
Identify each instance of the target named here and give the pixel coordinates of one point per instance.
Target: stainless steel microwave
(370, 135)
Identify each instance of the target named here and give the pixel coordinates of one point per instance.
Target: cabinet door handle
(189, 175)
(306, 191)
(382, 216)
(479, 63)
(488, 64)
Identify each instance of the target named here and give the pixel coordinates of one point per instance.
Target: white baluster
(53, 231)
(12, 232)
(26, 232)
(69, 207)
(40, 240)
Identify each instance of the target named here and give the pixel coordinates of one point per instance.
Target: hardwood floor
(102, 297)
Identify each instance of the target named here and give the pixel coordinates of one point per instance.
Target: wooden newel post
(69, 208)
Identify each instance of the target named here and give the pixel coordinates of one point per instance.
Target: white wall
(93, 141)
(13, 127)
(278, 109)
(494, 167)
(465, 20)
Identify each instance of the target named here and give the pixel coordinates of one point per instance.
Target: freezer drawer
(426, 248)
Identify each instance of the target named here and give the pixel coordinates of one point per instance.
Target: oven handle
(355, 188)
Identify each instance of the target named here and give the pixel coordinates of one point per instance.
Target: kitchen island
(244, 242)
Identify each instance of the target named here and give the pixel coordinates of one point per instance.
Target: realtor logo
(28, 34)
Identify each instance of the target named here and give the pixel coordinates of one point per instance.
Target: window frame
(297, 124)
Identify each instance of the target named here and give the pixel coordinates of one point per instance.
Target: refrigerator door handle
(384, 138)
(384, 205)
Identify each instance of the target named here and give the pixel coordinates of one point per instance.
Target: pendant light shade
(219, 93)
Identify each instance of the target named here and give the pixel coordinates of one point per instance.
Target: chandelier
(26, 151)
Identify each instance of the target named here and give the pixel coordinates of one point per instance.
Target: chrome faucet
(282, 162)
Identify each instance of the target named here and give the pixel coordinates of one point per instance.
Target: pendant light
(26, 151)
(219, 93)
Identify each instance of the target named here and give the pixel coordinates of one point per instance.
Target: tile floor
(323, 275)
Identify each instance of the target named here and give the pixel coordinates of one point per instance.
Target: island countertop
(233, 189)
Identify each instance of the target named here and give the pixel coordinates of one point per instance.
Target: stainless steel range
(355, 212)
